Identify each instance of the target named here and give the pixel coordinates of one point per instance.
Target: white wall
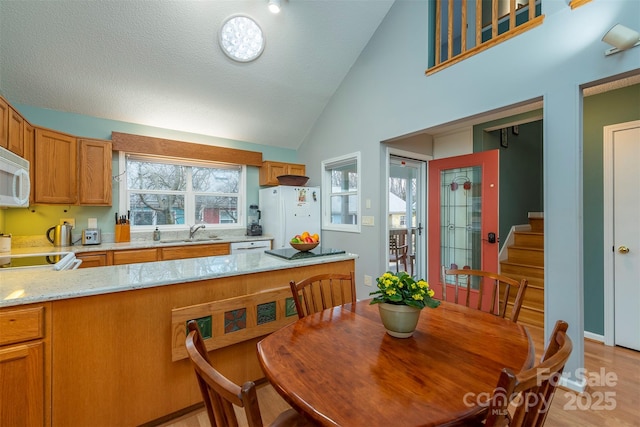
(386, 94)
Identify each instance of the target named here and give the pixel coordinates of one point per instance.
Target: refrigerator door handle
(283, 229)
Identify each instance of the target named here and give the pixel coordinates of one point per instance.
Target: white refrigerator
(287, 211)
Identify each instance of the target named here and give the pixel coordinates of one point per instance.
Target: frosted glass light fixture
(241, 38)
(621, 38)
(274, 6)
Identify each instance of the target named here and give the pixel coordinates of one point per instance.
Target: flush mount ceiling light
(274, 6)
(621, 38)
(241, 38)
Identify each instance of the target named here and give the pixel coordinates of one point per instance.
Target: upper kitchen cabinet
(94, 172)
(4, 123)
(71, 171)
(16, 132)
(29, 137)
(270, 171)
(55, 167)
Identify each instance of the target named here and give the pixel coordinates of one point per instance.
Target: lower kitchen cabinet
(25, 367)
(93, 259)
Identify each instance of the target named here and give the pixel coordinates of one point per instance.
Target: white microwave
(14, 180)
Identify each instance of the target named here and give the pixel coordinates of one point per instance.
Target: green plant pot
(400, 321)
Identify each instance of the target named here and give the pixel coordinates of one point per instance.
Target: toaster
(91, 236)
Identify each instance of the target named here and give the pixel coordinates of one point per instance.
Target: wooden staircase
(526, 260)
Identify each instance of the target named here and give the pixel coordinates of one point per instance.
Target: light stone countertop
(32, 285)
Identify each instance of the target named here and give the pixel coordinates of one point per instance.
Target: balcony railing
(464, 28)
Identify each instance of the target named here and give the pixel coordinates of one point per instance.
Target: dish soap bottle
(156, 234)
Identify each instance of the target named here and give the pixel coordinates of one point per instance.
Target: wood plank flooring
(614, 405)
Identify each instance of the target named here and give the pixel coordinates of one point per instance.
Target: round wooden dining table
(340, 367)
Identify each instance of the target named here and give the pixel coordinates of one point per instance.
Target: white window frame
(326, 167)
(123, 199)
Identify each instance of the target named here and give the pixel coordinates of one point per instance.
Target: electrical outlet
(367, 220)
(367, 280)
(71, 221)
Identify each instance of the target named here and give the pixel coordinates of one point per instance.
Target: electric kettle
(61, 235)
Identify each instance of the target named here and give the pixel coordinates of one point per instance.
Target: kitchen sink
(194, 240)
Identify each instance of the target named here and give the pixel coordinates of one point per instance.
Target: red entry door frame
(489, 162)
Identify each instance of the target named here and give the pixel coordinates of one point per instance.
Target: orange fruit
(305, 234)
(315, 237)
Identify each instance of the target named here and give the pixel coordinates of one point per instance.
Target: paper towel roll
(5, 243)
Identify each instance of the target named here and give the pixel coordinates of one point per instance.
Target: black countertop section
(291, 254)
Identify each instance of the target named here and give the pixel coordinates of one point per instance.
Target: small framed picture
(515, 130)
(504, 142)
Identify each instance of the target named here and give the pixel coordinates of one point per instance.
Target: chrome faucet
(193, 229)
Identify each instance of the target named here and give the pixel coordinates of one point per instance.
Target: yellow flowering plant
(402, 289)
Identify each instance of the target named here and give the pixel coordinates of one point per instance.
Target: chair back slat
(534, 388)
(323, 291)
(499, 289)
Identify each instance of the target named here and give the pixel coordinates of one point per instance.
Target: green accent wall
(617, 106)
(521, 170)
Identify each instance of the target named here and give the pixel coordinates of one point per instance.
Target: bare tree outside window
(162, 193)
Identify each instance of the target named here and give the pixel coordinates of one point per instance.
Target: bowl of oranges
(305, 241)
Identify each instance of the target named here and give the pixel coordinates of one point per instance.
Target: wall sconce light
(621, 38)
(274, 6)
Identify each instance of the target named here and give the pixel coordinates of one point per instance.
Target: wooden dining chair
(398, 252)
(530, 392)
(505, 291)
(323, 291)
(220, 395)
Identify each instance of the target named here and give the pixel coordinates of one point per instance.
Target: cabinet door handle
(623, 249)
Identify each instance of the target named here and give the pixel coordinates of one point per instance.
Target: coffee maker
(254, 228)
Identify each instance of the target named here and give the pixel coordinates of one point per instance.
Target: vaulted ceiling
(158, 63)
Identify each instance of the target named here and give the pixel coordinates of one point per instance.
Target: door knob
(623, 249)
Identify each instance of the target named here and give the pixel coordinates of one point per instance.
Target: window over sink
(172, 193)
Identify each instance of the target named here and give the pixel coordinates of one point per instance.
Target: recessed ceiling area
(160, 63)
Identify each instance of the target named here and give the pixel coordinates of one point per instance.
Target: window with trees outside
(341, 197)
(166, 192)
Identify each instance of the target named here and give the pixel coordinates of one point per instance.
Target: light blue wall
(386, 95)
(35, 221)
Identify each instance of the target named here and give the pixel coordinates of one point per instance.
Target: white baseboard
(575, 385)
(594, 337)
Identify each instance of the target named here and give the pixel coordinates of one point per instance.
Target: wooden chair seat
(504, 291)
(220, 395)
(323, 291)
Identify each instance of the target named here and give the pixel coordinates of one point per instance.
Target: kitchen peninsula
(103, 346)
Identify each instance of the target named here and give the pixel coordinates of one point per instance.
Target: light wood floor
(568, 408)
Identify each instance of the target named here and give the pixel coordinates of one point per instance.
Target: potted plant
(401, 299)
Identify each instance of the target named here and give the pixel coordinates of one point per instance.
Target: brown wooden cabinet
(16, 132)
(193, 251)
(94, 172)
(132, 256)
(29, 137)
(4, 123)
(93, 259)
(24, 366)
(270, 171)
(55, 164)
(71, 171)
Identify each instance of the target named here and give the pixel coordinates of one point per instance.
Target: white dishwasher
(252, 246)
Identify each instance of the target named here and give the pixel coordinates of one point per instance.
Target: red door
(463, 216)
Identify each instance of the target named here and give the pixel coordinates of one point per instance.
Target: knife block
(123, 233)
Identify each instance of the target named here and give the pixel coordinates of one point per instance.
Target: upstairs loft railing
(464, 28)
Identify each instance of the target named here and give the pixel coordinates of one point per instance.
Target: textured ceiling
(158, 63)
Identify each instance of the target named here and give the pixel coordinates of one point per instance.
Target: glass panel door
(463, 215)
(405, 216)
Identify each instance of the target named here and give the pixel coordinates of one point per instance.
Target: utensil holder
(123, 233)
